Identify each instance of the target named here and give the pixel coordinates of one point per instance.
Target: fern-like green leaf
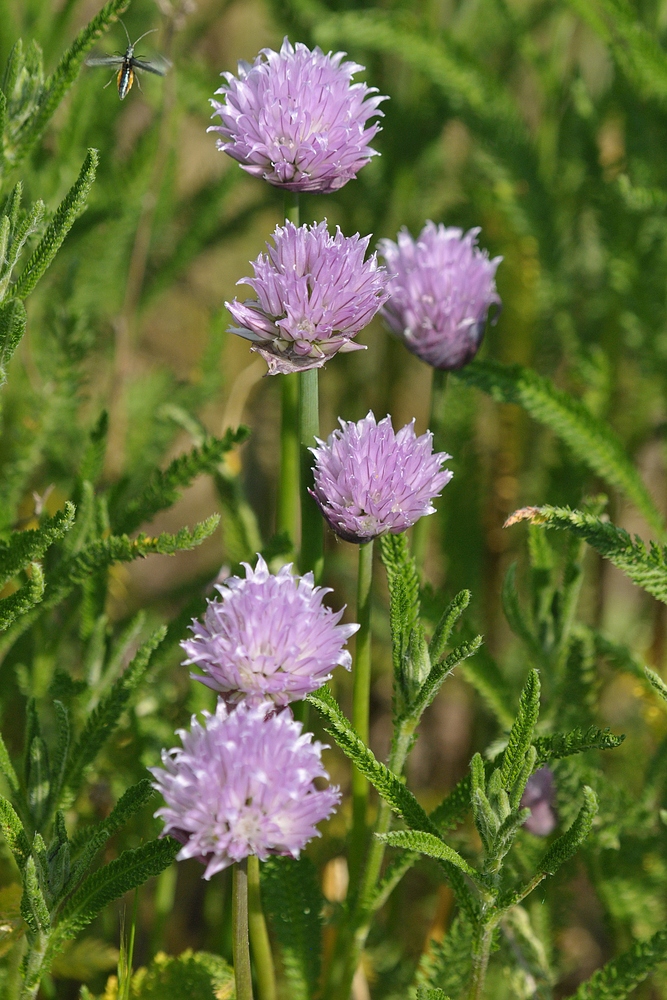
(24, 547)
(387, 784)
(645, 565)
(64, 76)
(69, 209)
(619, 978)
(12, 830)
(432, 847)
(566, 845)
(19, 603)
(592, 441)
(104, 719)
(447, 963)
(430, 993)
(656, 681)
(130, 870)
(521, 733)
(13, 320)
(293, 903)
(439, 672)
(163, 488)
(444, 628)
(87, 842)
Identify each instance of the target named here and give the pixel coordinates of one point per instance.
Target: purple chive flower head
(241, 784)
(268, 637)
(315, 292)
(540, 797)
(441, 288)
(369, 480)
(296, 119)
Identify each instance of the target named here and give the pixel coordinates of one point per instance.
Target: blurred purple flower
(369, 480)
(268, 638)
(441, 288)
(242, 783)
(314, 293)
(540, 797)
(296, 119)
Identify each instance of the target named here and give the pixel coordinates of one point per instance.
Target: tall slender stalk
(240, 943)
(289, 498)
(436, 423)
(360, 709)
(312, 525)
(259, 938)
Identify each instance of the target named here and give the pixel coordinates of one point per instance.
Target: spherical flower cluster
(268, 637)
(441, 288)
(295, 118)
(314, 293)
(369, 480)
(540, 796)
(242, 784)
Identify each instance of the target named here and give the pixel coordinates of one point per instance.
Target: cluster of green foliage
(543, 123)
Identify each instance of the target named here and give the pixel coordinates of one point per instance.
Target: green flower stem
(289, 501)
(312, 525)
(360, 709)
(436, 423)
(240, 943)
(288, 514)
(481, 951)
(259, 937)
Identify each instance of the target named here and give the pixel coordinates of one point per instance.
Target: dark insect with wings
(128, 64)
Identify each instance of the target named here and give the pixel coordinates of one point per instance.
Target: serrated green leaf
(566, 845)
(24, 547)
(521, 735)
(197, 975)
(130, 870)
(644, 565)
(656, 682)
(23, 600)
(430, 993)
(443, 629)
(33, 905)
(13, 320)
(64, 76)
(12, 830)
(87, 842)
(619, 978)
(433, 847)
(164, 487)
(103, 720)
(69, 209)
(439, 672)
(591, 440)
(39, 780)
(293, 903)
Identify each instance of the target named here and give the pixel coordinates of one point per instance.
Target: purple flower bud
(296, 119)
(441, 288)
(369, 480)
(540, 796)
(268, 638)
(314, 293)
(242, 783)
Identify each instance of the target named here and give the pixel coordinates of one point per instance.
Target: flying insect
(128, 64)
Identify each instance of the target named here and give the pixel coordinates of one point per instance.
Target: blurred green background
(541, 121)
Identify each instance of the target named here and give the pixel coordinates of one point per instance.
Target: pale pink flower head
(370, 480)
(268, 637)
(296, 119)
(242, 783)
(315, 293)
(441, 288)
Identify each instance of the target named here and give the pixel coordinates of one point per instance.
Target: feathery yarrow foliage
(441, 287)
(242, 784)
(315, 293)
(296, 119)
(370, 480)
(268, 637)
